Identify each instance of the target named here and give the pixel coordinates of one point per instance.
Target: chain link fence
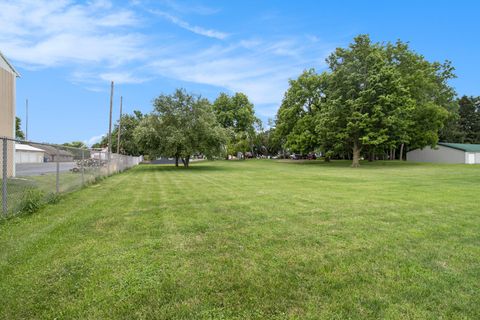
(35, 173)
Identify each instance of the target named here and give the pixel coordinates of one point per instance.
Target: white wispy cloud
(98, 42)
(261, 69)
(122, 77)
(93, 140)
(189, 7)
(119, 77)
(57, 32)
(185, 25)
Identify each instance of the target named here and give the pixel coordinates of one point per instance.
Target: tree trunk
(356, 155)
(176, 161)
(371, 155)
(393, 153)
(401, 151)
(186, 161)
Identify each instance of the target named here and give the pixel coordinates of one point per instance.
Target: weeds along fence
(36, 173)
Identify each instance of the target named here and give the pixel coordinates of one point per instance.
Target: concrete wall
(7, 115)
(439, 155)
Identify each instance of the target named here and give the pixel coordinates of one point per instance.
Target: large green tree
(382, 96)
(236, 114)
(295, 122)
(431, 99)
(181, 125)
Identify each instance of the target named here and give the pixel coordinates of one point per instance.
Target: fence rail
(33, 172)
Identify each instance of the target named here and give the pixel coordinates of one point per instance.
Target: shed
(447, 153)
(8, 76)
(28, 154)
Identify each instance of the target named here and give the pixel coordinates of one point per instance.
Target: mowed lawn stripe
(252, 239)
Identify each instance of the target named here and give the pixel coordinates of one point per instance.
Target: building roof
(12, 69)
(51, 150)
(461, 146)
(26, 147)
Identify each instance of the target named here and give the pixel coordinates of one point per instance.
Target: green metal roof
(462, 146)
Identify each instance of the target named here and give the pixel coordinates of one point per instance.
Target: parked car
(248, 155)
(312, 156)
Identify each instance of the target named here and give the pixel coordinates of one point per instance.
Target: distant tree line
(183, 125)
(375, 101)
(463, 124)
(128, 145)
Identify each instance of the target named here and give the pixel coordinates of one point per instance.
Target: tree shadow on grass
(383, 164)
(192, 168)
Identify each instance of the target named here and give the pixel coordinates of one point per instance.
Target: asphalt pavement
(37, 169)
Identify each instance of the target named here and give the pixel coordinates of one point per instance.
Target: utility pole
(119, 126)
(110, 128)
(26, 120)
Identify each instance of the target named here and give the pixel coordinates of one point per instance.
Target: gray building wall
(440, 154)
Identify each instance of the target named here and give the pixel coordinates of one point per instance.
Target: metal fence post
(108, 163)
(83, 168)
(57, 181)
(4, 177)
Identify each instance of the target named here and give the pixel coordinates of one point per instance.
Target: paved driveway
(164, 161)
(37, 169)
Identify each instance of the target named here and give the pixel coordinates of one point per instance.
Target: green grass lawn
(46, 184)
(252, 240)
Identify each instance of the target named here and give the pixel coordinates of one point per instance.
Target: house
(8, 76)
(447, 153)
(53, 154)
(28, 154)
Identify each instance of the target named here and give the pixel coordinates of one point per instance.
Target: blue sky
(68, 51)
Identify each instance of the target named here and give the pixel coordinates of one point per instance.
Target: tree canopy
(76, 144)
(236, 114)
(18, 129)
(295, 125)
(375, 96)
(181, 125)
(128, 145)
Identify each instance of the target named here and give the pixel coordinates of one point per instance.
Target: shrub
(52, 198)
(32, 200)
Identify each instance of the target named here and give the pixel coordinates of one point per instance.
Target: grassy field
(252, 239)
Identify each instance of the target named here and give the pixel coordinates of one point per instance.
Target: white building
(99, 154)
(28, 154)
(447, 153)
